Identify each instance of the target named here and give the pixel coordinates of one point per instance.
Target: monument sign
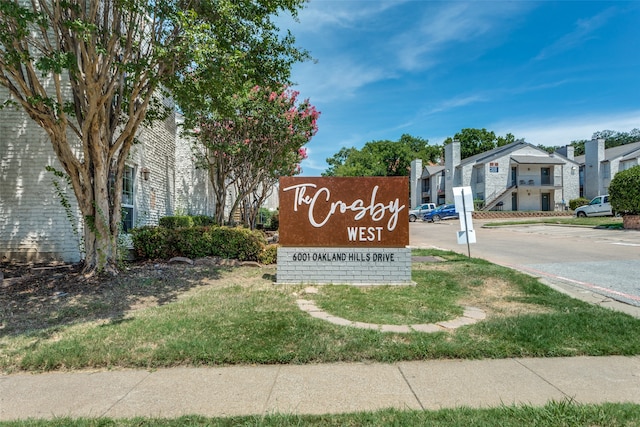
(344, 230)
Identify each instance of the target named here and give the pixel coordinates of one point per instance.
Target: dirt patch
(498, 298)
(34, 297)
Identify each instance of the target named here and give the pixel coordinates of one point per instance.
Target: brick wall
(359, 266)
(33, 224)
(519, 214)
(631, 222)
(155, 197)
(194, 193)
(34, 227)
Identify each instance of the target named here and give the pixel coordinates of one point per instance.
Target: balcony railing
(538, 182)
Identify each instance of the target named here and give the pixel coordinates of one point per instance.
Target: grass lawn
(229, 316)
(215, 315)
(554, 414)
(601, 222)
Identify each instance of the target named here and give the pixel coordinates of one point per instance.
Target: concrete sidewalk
(319, 389)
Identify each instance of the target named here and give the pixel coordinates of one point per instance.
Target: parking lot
(604, 262)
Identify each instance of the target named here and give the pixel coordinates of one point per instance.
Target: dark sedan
(441, 212)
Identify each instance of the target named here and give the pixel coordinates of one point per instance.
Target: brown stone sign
(344, 212)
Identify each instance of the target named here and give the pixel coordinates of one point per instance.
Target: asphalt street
(606, 262)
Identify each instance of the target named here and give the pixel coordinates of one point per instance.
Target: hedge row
(151, 242)
(576, 203)
(178, 221)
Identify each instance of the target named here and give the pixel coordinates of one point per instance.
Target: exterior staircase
(495, 201)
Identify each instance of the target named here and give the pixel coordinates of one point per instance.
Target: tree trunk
(101, 253)
(219, 190)
(99, 201)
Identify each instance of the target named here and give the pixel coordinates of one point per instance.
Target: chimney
(593, 158)
(416, 182)
(451, 162)
(568, 151)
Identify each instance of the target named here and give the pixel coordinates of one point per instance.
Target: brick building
(514, 177)
(160, 179)
(598, 165)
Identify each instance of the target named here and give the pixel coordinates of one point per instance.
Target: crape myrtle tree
(89, 72)
(260, 138)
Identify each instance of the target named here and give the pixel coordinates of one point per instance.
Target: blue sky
(547, 71)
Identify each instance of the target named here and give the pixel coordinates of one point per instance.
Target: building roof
(496, 152)
(625, 152)
(543, 158)
(538, 160)
(431, 170)
(633, 155)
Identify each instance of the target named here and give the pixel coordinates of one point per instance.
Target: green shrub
(269, 255)
(196, 242)
(193, 242)
(237, 243)
(274, 224)
(264, 218)
(176, 221)
(151, 242)
(624, 192)
(576, 203)
(203, 220)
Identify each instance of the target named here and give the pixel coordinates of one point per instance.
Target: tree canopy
(382, 158)
(93, 70)
(388, 158)
(476, 141)
(611, 138)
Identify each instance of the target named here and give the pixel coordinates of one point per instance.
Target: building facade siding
(34, 225)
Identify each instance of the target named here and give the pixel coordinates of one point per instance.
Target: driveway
(578, 259)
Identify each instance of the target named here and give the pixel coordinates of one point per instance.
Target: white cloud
(584, 31)
(321, 15)
(562, 130)
(444, 25)
(335, 78)
(418, 47)
(461, 101)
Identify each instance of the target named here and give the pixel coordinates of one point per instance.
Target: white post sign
(464, 206)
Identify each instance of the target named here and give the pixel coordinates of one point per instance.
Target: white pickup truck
(599, 206)
(420, 211)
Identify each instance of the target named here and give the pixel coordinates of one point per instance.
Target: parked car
(441, 212)
(419, 211)
(598, 206)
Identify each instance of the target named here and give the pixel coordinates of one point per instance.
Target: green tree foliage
(548, 149)
(624, 192)
(382, 158)
(611, 139)
(92, 70)
(476, 141)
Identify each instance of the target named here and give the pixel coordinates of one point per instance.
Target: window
(545, 176)
(426, 185)
(127, 198)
